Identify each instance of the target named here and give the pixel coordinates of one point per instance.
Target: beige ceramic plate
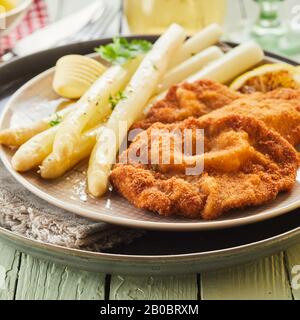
(35, 100)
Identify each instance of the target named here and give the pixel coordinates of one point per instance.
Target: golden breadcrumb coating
(281, 115)
(245, 163)
(279, 109)
(188, 100)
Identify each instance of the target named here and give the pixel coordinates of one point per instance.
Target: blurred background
(275, 24)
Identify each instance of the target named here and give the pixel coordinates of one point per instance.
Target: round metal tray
(156, 252)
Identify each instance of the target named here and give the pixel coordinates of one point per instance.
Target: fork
(95, 29)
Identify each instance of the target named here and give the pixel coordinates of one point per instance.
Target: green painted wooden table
(25, 277)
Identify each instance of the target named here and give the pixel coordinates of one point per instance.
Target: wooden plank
(264, 279)
(43, 280)
(293, 268)
(153, 287)
(9, 263)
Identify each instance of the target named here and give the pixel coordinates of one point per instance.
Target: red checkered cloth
(36, 18)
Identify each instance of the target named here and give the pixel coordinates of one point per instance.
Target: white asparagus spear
(93, 106)
(18, 136)
(140, 89)
(32, 153)
(56, 168)
(198, 42)
(189, 67)
(232, 64)
(229, 66)
(36, 149)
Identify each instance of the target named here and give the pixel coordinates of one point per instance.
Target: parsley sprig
(116, 99)
(121, 50)
(55, 121)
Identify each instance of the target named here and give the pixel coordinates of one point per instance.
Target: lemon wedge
(74, 75)
(268, 77)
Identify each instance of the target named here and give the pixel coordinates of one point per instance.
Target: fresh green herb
(56, 121)
(116, 99)
(122, 50)
(154, 67)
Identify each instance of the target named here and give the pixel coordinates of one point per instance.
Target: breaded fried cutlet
(281, 115)
(279, 109)
(245, 164)
(188, 100)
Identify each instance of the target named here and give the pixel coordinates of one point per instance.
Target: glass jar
(154, 16)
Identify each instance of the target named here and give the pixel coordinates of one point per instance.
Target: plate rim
(140, 258)
(128, 222)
